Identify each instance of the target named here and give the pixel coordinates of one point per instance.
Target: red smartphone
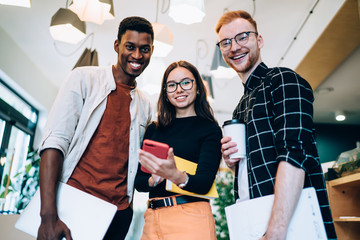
(158, 149)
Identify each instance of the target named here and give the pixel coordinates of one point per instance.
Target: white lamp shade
(223, 73)
(66, 26)
(163, 40)
(219, 69)
(187, 11)
(96, 11)
(19, 3)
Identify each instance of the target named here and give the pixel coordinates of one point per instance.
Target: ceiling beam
(339, 39)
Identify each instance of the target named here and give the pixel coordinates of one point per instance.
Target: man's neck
(121, 77)
(244, 76)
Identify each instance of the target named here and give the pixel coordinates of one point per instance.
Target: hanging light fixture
(187, 11)
(163, 38)
(207, 80)
(66, 26)
(88, 58)
(18, 3)
(219, 68)
(96, 11)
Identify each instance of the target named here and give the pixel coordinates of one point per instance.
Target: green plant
(30, 181)
(225, 187)
(10, 188)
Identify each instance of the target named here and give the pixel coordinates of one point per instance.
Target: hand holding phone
(158, 149)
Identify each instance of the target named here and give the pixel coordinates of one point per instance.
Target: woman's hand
(165, 168)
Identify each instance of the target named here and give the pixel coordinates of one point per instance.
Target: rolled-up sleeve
(64, 115)
(293, 125)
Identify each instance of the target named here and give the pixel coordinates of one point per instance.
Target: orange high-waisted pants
(188, 221)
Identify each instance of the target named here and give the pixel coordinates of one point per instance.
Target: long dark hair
(167, 112)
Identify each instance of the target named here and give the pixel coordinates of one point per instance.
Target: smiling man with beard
(277, 109)
(94, 130)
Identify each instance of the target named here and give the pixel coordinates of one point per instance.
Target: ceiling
(279, 22)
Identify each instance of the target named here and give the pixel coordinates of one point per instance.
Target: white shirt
(76, 114)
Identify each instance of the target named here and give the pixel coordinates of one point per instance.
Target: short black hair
(138, 24)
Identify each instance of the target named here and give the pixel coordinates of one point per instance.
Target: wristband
(182, 185)
(156, 181)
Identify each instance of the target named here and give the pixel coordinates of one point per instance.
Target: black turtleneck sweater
(193, 138)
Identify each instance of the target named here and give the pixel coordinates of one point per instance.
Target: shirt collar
(255, 77)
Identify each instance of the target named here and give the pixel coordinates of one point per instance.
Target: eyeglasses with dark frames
(241, 39)
(185, 84)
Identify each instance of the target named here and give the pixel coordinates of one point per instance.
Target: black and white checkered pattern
(277, 110)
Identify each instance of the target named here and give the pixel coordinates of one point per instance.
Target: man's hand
(277, 235)
(228, 148)
(155, 180)
(288, 185)
(53, 229)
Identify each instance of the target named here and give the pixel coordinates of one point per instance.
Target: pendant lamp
(96, 11)
(88, 58)
(187, 11)
(163, 40)
(219, 68)
(18, 3)
(66, 26)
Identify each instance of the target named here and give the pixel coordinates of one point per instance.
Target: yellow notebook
(189, 167)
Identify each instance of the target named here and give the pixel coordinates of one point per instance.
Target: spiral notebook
(87, 217)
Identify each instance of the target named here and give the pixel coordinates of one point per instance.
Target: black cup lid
(232, 121)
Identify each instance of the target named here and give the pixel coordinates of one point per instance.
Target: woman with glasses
(187, 124)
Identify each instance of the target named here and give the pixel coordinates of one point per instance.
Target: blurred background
(43, 41)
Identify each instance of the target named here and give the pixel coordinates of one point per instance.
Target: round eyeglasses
(185, 84)
(241, 39)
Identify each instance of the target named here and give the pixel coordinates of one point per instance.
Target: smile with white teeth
(135, 65)
(239, 56)
(180, 97)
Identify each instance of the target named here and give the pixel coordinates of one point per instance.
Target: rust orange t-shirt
(102, 170)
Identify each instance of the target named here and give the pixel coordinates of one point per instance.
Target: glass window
(14, 168)
(18, 121)
(17, 103)
(2, 129)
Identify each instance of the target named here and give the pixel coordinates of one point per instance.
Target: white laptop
(88, 217)
(248, 220)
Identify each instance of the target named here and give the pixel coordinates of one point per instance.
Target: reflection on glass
(2, 129)
(14, 167)
(16, 102)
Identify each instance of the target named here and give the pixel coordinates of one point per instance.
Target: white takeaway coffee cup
(236, 130)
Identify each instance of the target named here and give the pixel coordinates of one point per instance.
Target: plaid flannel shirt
(278, 112)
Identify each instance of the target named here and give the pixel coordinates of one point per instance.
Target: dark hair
(138, 24)
(228, 17)
(167, 112)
